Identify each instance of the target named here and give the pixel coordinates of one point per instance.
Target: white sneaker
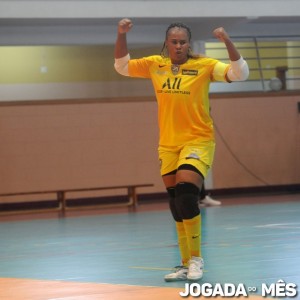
(196, 266)
(210, 201)
(180, 274)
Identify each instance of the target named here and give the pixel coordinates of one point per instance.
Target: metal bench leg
(61, 197)
(132, 196)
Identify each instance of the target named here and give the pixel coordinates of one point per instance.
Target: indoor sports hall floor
(116, 254)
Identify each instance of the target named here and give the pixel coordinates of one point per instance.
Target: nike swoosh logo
(161, 66)
(195, 236)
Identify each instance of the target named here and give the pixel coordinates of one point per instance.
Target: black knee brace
(176, 216)
(186, 200)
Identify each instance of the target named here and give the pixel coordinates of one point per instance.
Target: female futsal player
(186, 144)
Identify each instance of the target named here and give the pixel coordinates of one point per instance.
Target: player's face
(178, 45)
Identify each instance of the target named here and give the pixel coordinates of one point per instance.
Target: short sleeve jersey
(182, 93)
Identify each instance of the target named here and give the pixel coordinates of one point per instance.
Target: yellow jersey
(182, 96)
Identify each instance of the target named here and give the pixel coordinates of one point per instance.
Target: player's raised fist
(124, 25)
(221, 34)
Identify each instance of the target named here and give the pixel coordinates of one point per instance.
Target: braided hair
(164, 50)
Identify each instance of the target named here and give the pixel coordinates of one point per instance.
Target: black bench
(61, 196)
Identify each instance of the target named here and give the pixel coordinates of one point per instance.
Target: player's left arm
(238, 70)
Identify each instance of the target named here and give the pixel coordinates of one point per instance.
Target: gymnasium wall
(66, 72)
(78, 144)
(67, 120)
(86, 72)
(258, 140)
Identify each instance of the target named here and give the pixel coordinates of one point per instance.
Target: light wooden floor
(112, 255)
(25, 289)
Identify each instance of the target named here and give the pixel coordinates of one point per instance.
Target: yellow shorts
(199, 155)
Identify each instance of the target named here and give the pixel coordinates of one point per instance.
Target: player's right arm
(124, 26)
(121, 51)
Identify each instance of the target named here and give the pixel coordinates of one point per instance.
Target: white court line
(280, 225)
